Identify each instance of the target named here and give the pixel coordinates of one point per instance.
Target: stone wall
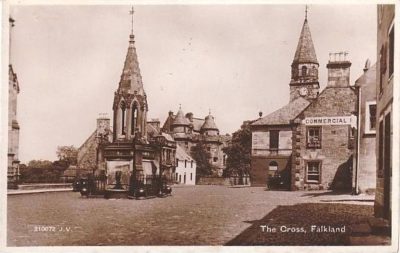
(213, 181)
(384, 91)
(335, 153)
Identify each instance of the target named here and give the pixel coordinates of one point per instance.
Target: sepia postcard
(214, 126)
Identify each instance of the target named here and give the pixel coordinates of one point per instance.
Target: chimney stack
(338, 70)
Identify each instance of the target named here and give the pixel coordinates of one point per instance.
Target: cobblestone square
(195, 215)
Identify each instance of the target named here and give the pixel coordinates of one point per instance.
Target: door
(387, 167)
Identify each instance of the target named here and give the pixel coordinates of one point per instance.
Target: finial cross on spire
(131, 12)
(306, 11)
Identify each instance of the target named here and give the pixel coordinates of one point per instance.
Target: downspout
(356, 191)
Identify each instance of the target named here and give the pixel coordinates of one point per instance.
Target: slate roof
(167, 136)
(197, 124)
(151, 130)
(131, 79)
(182, 155)
(209, 123)
(180, 119)
(285, 114)
(305, 52)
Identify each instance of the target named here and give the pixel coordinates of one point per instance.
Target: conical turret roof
(209, 123)
(180, 118)
(131, 79)
(305, 52)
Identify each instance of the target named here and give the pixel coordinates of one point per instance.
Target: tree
(202, 158)
(39, 171)
(68, 154)
(239, 151)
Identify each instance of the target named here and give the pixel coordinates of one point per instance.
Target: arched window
(123, 109)
(304, 71)
(134, 118)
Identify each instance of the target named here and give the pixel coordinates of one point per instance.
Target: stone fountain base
(116, 194)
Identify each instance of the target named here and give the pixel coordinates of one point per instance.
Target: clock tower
(304, 78)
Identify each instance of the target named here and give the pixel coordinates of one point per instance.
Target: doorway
(387, 167)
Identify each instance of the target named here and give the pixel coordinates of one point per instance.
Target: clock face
(303, 91)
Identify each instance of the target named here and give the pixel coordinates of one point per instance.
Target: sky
(233, 60)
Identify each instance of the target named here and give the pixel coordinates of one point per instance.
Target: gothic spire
(131, 79)
(305, 52)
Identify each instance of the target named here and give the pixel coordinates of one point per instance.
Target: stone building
(324, 136)
(185, 172)
(133, 151)
(384, 107)
(189, 131)
(309, 143)
(13, 126)
(87, 159)
(364, 176)
(271, 154)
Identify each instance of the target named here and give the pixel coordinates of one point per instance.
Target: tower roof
(131, 79)
(209, 123)
(305, 52)
(180, 119)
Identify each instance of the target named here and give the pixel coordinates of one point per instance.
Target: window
(191, 176)
(370, 117)
(176, 176)
(313, 172)
(134, 118)
(314, 137)
(215, 159)
(382, 63)
(123, 107)
(185, 163)
(177, 162)
(208, 148)
(191, 165)
(391, 51)
(274, 139)
(380, 148)
(304, 71)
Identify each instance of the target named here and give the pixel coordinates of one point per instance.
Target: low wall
(43, 186)
(213, 181)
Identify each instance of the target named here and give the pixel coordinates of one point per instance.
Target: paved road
(197, 215)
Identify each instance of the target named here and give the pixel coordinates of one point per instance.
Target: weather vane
(306, 10)
(131, 12)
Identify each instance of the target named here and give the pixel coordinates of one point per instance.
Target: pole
(356, 192)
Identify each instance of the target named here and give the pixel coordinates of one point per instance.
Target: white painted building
(185, 172)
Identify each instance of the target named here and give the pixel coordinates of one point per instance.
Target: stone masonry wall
(335, 152)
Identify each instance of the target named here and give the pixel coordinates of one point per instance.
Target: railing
(239, 180)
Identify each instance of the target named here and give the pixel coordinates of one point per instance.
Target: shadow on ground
(304, 216)
(348, 200)
(325, 193)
